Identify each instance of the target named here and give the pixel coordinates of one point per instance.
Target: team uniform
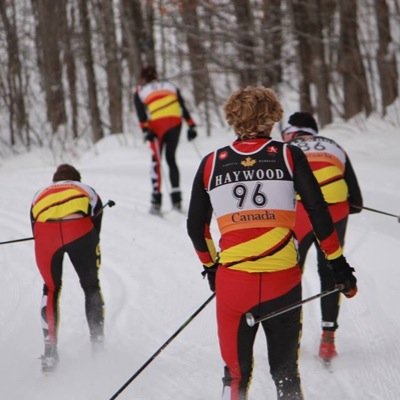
(66, 219)
(160, 109)
(333, 170)
(251, 188)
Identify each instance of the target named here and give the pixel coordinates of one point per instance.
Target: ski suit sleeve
(141, 112)
(308, 188)
(355, 196)
(185, 112)
(199, 218)
(97, 215)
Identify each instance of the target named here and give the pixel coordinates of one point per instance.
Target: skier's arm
(141, 112)
(199, 218)
(355, 196)
(98, 215)
(185, 112)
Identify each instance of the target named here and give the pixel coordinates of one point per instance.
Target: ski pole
(110, 203)
(161, 348)
(252, 320)
(378, 211)
(197, 150)
(17, 240)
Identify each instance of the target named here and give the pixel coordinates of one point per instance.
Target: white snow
(151, 283)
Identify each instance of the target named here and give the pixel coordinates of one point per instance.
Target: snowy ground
(151, 282)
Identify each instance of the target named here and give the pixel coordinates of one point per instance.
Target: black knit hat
(148, 73)
(303, 120)
(66, 172)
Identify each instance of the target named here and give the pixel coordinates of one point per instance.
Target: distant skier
(250, 187)
(333, 170)
(66, 219)
(160, 108)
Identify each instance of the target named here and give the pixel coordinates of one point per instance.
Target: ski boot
(327, 349)
(155, 209)
(49, 359)
(176, 199)
(97, 342)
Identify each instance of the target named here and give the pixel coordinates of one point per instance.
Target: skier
(333, 170)
(160, 108)
(250, 187)
(66, 219)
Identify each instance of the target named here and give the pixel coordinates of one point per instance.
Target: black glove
(149, 136)
(210, 272)
(355, 209)
(191, 133)
(343, 275)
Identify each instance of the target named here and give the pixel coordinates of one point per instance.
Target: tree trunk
(319, 68)
(69, 60)
(113, 68)
(134, 35)
(271, 33)
(18, 120)
(48, 30)
(355, 87)
(150, 51)
(386, 60)
(97, 129)
(301, 25)
(200, 76)
(245, 42)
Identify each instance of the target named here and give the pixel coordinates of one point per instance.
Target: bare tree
(48, 23)
(200, 75)
(245, 43)
(18, 119)
(386, 60)
(355, 87)
(271, 32)
(86, 42)
(105, 17)
(320, 72)
(67, 28)
(133, 32)
(301, 26)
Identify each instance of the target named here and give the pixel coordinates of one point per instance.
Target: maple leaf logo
(248, 162)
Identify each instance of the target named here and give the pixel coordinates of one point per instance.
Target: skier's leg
(283, 338)
(171, 143)
(330, 304)
(155, 175)
(236, 338)
(49, 311)
(85, 257)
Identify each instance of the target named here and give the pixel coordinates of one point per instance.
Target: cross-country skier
(333, 170)
(66, 219)
(250, 187)
(160, 108)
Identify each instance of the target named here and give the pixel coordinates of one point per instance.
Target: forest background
(68, 66)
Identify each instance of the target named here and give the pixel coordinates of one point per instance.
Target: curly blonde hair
(252, 111)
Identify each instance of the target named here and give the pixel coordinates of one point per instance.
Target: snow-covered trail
(151, 284)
